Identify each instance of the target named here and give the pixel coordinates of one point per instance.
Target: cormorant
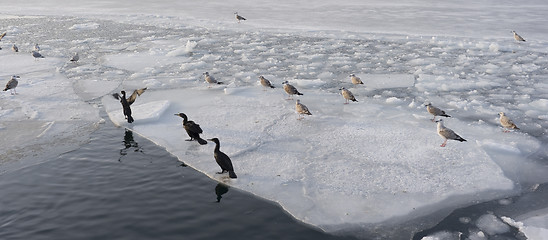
(301, 109)
(518, 37)
(435, 111)
(265, 82)
(347, 95)
(238, 17)
(354, 79)
(12, 84)
(290, 89)
(222, 159)
(506, 122)
(127, 102)
(447, 133)
(192, 129)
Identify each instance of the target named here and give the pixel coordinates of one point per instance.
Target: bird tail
(354, 100)
(298, 93)
(130, 119)
(272, 86)
(445, 115)
(232, 174)
(5, 89)
(201, 141)
(220, 83)
(461, 139)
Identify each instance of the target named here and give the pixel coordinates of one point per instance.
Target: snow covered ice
(367, 164)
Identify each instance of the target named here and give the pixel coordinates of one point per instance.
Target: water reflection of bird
(129, 142)
(220, 189)
(222, 159)
(192, 129)
(126, 103)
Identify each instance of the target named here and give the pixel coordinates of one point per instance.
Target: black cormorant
(127, 102)
(222, 159)
(192, 129)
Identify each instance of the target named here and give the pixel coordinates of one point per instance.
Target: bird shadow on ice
(129, 143)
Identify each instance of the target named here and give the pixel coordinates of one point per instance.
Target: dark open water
(122, 186)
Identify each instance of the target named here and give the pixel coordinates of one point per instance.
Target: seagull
(15, 48)
(36, 47)
(75, 58)
(355, 80)
(265, 82)
(435, 111)
(290, 90)
(126, 103)
(12, 84)
(518, 37)
(192, 129)
(506, 122)
(347, 95)
(238, 17)
(37, 55)
(301, 109)
(222, 159)
(210, 79)
(447, 133)
(2, 35)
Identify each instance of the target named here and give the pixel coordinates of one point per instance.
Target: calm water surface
(121, 186)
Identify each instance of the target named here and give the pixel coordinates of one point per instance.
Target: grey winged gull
(506, 122)
(355, 80)
(238, 17)
(192, 129)
(265, 82)
(347, 95)
(447, 134)
(222, 159)
(126, 102)
(301, 109)
(37, 55)
(15, 48)
(75, 57)
(12, 84)
(210, 79)
(435, 111)
(290, 89)
(518, 37)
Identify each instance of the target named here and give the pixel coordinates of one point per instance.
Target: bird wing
(348, 95)
(507, 122)
(448, 134)
(116, 95)
(224, 161)
(290, 89)
(193, 127)
(134, 95)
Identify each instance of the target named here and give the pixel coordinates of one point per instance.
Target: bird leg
(222, 172)
(433, 119)
(444, 143)
(191, 139)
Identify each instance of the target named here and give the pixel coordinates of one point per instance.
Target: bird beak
(210, 139)
(176, 114)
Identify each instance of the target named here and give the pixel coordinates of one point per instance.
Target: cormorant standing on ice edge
(222, 159)
(192, 129)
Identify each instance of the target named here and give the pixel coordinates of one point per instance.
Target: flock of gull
(193, 129)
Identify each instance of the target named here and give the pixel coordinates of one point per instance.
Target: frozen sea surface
(372, 163)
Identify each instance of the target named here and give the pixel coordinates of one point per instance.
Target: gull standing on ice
(435, 111)
(447, 133)
(37, 55)
(75, 58)
(506, 122)
(238, 17)
(355, 80)
(518, 37)
(290, 90)
(12, 84)
(126, 102)
(222, 159)
(36, 47)
(301, 109)
(347, 95)
(192, 129)
(265, 82)
(15, 48)
(210, 79)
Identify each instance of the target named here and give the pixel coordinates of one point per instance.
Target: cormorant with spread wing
(126, 103)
